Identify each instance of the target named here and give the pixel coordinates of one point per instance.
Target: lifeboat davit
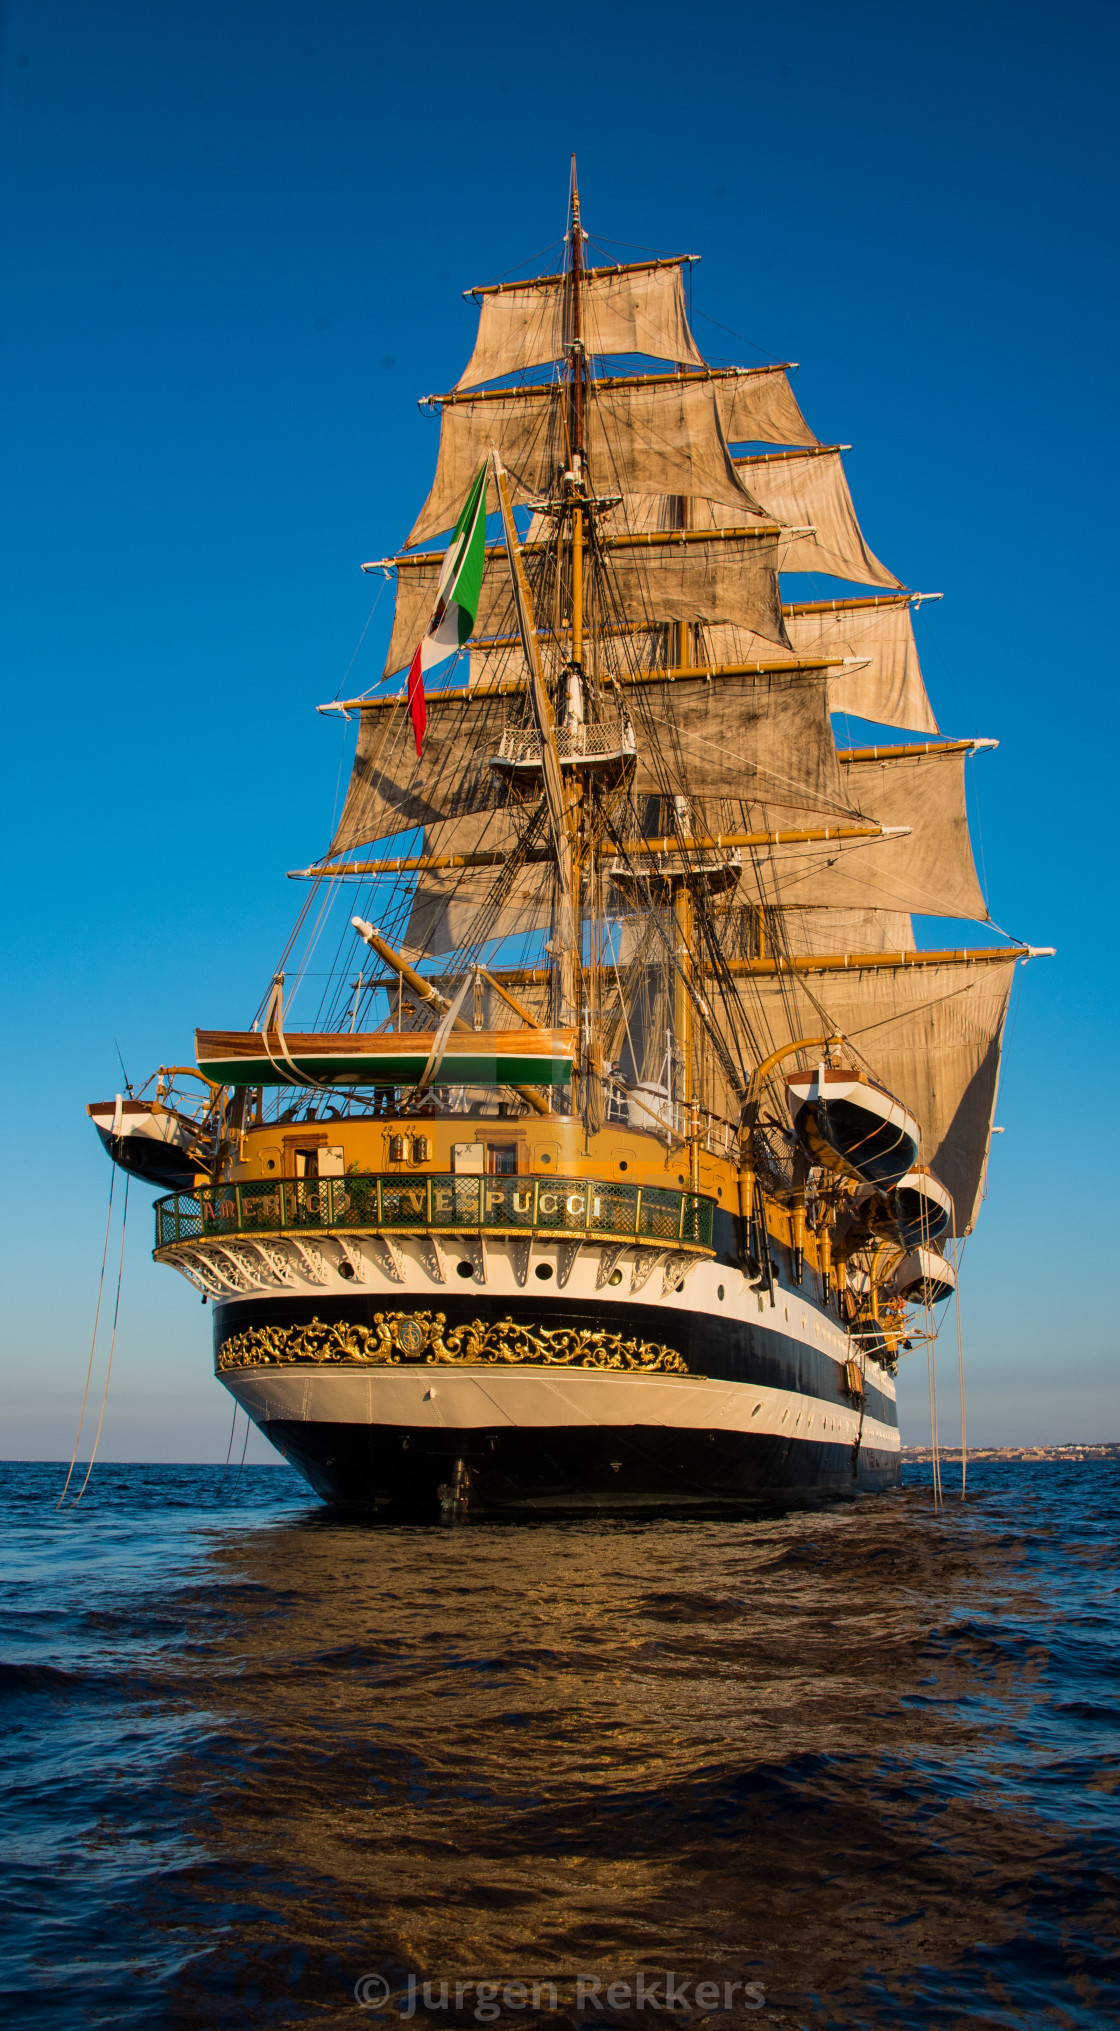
(921, 1207)
(851, 1125)
(924, 1277)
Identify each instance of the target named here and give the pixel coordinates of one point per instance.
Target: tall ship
(633, 1139)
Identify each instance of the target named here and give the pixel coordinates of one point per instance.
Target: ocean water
(852, 1768)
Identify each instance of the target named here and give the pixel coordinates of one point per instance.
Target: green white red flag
(460, 586)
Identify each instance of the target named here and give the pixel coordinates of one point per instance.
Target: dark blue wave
(866, 1757)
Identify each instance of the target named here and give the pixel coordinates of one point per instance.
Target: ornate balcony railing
(513, 1205)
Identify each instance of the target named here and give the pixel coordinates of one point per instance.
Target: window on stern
(503, 1159)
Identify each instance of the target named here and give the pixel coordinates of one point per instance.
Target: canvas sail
(930, 1034)
(810, 490)
(636, 309)
(655, 436)
(730, 577)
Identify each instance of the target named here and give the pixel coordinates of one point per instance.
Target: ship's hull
(723, 1400)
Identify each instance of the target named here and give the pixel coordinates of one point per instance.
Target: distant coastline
(1108, 1450)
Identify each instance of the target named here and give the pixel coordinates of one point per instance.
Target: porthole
(719, 1292)
(270, 1164)
(544, 1271)
(464, 1269)
(545, 1158)
(346, 1271)
(623, 1166)
(616, 1277)
(680, 1177)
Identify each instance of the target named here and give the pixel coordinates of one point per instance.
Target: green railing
(402, 1205)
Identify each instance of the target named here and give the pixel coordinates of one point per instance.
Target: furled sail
(635, 309)
(931, 1034)
(661, 435)
(809, 490)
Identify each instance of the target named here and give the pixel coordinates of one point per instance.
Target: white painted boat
(850, 1124)
(924, 1277)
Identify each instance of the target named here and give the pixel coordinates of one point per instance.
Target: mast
(575, 325)
(575, 236)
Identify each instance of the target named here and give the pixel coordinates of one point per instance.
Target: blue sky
(234, 239)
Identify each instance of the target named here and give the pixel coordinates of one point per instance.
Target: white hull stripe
(467, 1399)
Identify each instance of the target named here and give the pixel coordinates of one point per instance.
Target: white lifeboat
(161, 1144)
(924, 1277)
(850, 1124)
(921, 1206)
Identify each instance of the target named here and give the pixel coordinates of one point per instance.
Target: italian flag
(460, 583)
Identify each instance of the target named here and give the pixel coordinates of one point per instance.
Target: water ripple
(866, 1757)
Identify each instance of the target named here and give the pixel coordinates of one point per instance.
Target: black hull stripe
(589, 1470)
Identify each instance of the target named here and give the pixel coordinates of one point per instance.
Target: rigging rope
(93, 1342)
(229, 1450)
(112, 1346)
(935, 1459)
(957, 1255)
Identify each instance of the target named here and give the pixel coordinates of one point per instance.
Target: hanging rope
(960, 1356)
(93, 1342)
(241, 1462)
(934, 1448)
(112, 1345)
(229, 1451)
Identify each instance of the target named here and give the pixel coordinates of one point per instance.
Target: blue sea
(856, 1767)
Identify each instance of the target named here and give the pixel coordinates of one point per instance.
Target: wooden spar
(538, 690)
(508, 687)
(851, 962)
(845, 606)
(510, 1000)
(856, 962)
(577, 587)
(651, 538)
(913, 750)
(792, 836)
(682, 986)
(423, 863)
(425, 991)
(683, 628)
(657, 538)
(559, 809)
(576, 239)
(537, 390)
(621, 268)
(800, 451)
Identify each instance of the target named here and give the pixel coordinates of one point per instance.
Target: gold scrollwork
(412, 1336)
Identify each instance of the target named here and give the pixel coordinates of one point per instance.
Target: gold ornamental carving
(396, 1338)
